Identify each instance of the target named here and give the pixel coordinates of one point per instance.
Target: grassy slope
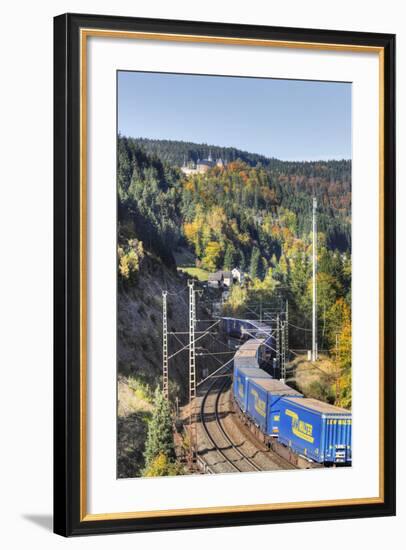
(315, 380)
(186, 262)
(196, 272)
(133, 414)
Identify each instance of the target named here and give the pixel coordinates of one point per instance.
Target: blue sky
(286, 119)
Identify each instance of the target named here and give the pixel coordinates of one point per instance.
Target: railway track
(222, 444)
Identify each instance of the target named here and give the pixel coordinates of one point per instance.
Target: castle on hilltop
(202, 165)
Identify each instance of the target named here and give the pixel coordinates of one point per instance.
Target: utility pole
(165, 380)
(283, 360)
(192, 366)
(287, 328)
(278, 352)
(314, 319)
(337, 371)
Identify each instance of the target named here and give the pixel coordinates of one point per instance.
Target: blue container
(263, 403)
(241, 377)
(316, 430)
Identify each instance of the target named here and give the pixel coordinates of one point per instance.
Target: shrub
(161, 465)
(129, 258)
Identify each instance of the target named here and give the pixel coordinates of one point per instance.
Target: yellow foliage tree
(216, 219)
(212, 256)
(342, 351)
(236, 300)
(191, 231)
(130, 258)
(163, 466)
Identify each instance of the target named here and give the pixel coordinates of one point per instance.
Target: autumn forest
(251, 212)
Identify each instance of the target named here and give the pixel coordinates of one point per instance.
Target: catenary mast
(165, 380)
(314, 317)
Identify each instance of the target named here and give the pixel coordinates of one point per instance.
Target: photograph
(234, 255)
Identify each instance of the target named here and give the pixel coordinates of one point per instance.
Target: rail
(222, 430)
(227, 437)
(207, 431)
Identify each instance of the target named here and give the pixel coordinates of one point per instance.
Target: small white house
(238, 275)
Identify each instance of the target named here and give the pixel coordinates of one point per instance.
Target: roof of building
(215, 276)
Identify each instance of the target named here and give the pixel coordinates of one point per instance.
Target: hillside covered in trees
(253, 213)
(251, 191)
(177, 152)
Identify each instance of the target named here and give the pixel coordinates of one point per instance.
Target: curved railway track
(226, 436)
(219, 438)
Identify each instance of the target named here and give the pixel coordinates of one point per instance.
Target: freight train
(253, 333)
(314, 431)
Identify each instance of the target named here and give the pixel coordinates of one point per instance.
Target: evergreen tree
(229, 256)
(241, 260)
(160, 438)
(263, 268)
(255, 263)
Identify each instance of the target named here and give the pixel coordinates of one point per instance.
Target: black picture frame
(67, 289)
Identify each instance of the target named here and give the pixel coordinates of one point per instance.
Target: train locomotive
(315, 431)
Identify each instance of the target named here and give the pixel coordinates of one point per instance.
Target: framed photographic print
(224, 274)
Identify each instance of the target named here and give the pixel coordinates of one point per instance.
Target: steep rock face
(139, 355)
(139, 325)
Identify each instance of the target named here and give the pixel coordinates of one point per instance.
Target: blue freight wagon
(316, 430)
(263, 403)
(241, 376)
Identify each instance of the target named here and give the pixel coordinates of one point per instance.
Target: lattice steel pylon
(287, 331)
(283, 352)
(278, 346)
(192, 367)
(165, 374)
